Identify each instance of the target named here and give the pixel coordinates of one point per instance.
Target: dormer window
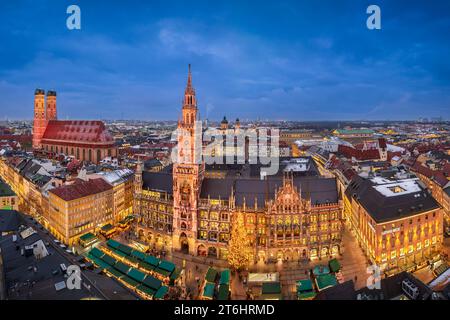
(397, 189)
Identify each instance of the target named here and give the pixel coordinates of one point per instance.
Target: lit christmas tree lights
(240, 252)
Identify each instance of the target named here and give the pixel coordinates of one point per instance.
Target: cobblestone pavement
(352, 260)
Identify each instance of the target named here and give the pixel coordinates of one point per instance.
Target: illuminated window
(433, 240)
(411, 249)
(402, 252)
(419, 245)
(214, 215)
(383, 257)
(204, 214)
(427, 243)
(393, 254)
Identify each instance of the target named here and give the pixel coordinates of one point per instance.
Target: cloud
(243, 67)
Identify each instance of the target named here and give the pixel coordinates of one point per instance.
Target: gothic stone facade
(182, 207)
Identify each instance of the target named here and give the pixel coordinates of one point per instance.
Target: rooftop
(30, 277)
(81, 189)
(387, 199)
(82, 131)
(5, 189)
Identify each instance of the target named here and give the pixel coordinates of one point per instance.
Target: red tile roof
(81, 188)
(439, 176)
(82, 131)
(349, 152)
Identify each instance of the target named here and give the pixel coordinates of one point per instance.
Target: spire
(189, 88)
(189, 83)
(189, 93)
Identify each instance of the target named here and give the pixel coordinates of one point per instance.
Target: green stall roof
(125, 249)
(152, 260)
(136, 275)
(120, 253)
(99, 262)
(271, 288)
(146, 266)
(304, 285)
(109, 260)
(115, 272)
(334, 265)
(132, 259)
(162, 272)
(224, 290)
(88, 237)
(113, 244)
(225, 276)
(129, 281)
(306, 295)
(325, 281)
(166, 265)
(97, 252)
(208, 290)
(148, 291)
(320, 270)
(175, 274)
(211, 275)
(162, 291)
(138, 254)
(107, 227)
(122, 267)
(152, 282)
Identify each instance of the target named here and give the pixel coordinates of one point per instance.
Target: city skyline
(290, 60)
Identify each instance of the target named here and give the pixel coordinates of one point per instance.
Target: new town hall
(189, 206)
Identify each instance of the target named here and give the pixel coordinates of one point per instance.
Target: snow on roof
(389, 188)
(116, 176)
(392, 148)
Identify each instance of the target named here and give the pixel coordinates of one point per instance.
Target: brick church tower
(40, 119)
(51, 106)
(188, 171)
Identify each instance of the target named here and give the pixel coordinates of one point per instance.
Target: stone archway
(304, 254)
(201, 251)
(212, 252)
(335, 250)
(184, 244)
(141, 234)
(149, 237)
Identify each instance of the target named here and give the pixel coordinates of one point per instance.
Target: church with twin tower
(85, 140)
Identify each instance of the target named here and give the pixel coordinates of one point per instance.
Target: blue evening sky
(301, 60)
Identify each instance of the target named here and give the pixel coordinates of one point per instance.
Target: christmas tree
(239, 249)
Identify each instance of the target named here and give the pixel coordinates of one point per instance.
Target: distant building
(353, 133)
(83, 139)
(397, 221)
(290, 136)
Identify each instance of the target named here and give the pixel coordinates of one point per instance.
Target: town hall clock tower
(188, 171)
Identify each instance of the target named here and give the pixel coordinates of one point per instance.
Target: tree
(239, 249)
